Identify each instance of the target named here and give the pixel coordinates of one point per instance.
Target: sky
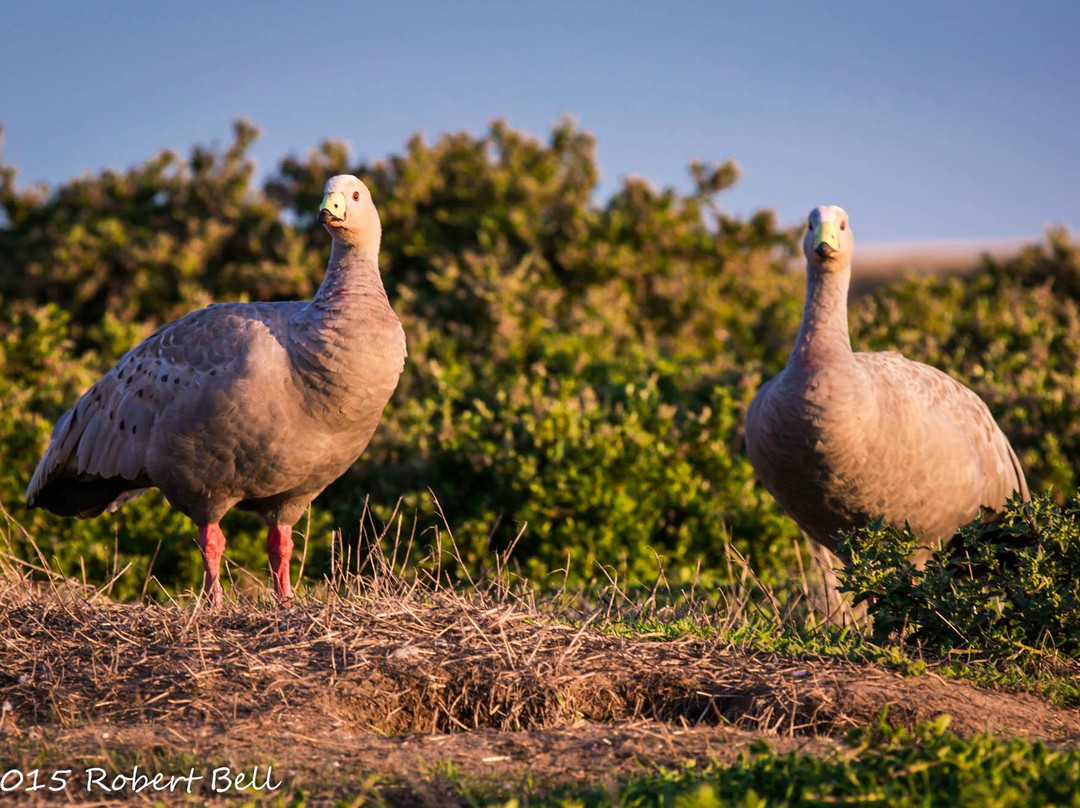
(944, 120)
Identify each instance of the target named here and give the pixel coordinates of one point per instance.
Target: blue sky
(925, 120)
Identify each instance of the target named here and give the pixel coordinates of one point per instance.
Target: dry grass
(440, 662)
(392, 654)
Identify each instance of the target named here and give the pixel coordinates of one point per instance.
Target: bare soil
(403, 683)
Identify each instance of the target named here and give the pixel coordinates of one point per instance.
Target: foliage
(590, 469)
(1002, 588)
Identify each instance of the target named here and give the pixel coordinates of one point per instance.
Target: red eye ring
(355, 196)
(843, 225)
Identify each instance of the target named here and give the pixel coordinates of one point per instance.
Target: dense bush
(578, 370)
(1001, 588)
(589, 472)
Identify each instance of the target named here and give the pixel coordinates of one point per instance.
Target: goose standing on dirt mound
(842, 438)
(253, 405)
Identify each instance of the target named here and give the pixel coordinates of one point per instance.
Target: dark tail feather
(83, 498)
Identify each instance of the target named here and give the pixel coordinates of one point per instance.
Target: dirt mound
(437, 662)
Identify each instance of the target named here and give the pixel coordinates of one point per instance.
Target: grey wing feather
(948, 409)
(97, 454)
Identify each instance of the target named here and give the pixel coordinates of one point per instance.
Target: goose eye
(355, 196)
(843, 225)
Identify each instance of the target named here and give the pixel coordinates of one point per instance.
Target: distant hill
(881, 262)
(885, 261)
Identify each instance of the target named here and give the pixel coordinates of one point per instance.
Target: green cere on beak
(334, 204)
(827, 233)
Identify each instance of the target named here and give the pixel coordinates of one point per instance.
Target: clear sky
(925, 120)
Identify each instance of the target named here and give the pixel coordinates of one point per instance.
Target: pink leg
(212, 545)
(279, 547)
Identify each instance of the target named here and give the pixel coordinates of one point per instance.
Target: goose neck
(352, 275)
(824, 330)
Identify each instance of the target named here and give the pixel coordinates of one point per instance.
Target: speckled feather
(841, 438)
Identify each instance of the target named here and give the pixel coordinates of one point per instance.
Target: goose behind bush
(842, 438)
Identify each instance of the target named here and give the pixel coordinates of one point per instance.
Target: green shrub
(999, 588)
(589, 474)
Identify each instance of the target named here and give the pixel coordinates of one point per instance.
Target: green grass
(886, 767)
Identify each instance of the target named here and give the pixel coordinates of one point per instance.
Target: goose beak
(826, 238)
(332, 208)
